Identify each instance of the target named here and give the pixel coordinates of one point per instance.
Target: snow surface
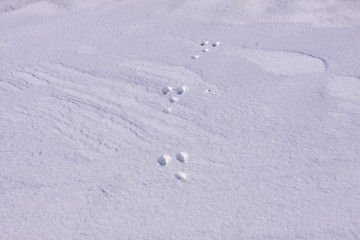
(265, 123)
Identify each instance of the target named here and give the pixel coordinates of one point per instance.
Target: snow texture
(269, 118)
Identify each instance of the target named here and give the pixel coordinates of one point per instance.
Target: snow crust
(257, 103)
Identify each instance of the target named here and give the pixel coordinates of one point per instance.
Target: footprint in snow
(164, 159)
(204, 44)
(173, 99)
(166, 90)
(181, 157)
(181, 90)
(181, 176)
(215, 44)
(167, 110)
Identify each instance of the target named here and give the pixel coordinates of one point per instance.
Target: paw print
(182, 157)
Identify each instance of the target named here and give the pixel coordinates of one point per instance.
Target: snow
(164, 159)
(97, 97)
(181, 176)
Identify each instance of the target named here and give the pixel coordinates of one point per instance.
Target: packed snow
(179, 119)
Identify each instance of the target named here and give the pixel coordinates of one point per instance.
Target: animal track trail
(215, 44)
(173, 95)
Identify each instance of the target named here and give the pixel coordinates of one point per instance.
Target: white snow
(167, 110)
(269, 118)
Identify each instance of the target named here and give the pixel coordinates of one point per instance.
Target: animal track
(166, 90)
(181, 90)
(282, 62)
(169, 91)
(215, 44)
(181, 157)
(173, 99)
(181, 176)
(178, 90)
(167, 110)
(204, 44)
(164, 159)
